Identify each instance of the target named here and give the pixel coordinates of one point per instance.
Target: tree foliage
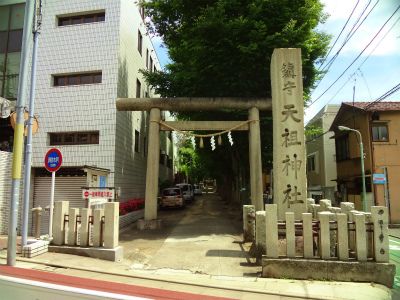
(223, 48)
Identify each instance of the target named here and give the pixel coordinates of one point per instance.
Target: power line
(341, 31)
(377, 44)
(388, 93)
(358, 56)
(384, 96)
(365, 59)
(349, 35)
(346, 40)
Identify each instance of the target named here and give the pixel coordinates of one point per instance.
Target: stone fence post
(249, 223)
(380, 218)
(60, 210)
(111, 225)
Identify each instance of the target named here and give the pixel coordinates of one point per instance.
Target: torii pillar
(256, 186)
(153, 159)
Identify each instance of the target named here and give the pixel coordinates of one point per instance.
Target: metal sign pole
(19, 135)
(53, 182)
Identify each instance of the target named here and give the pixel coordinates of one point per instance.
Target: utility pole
(19, 133)
(28, 150)
(364, 193)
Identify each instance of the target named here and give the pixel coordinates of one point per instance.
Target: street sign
(378, 178)
(98, 193)
(53, 160)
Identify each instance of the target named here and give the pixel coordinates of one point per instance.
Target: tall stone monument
(290, 181)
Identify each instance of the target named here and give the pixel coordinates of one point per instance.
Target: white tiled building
(89, 54)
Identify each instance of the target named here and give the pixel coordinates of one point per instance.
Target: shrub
(130, 205)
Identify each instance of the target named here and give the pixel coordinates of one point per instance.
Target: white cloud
(340, 10)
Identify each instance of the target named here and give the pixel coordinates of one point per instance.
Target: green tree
(223, 48)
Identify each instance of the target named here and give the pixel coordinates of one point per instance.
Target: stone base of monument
(304, 269)
(115, 254)
(35, 248)
(143, 224)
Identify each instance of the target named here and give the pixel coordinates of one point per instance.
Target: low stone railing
(326, 232)
(335, 233)
(85, 227)
(326, 243)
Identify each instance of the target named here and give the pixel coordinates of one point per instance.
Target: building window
(311, 163)
(11, 24)
(141, 10)
(81, 19)
(162, 157)
(77, 79)
(74, 138)
(137, 141)
(138, 88)
(380, 132)
(151, 64)
(147, 58)
(342, 148)
(169, 163)
(140, 42)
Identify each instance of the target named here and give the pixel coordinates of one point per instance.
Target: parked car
(197, 190)
(172, 197)
(187, 189)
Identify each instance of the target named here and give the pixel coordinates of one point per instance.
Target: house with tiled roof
(379, 126)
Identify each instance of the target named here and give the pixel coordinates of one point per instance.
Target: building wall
(315, 147)
(78, 48)
(323, 148)
(386, 154)
(130, 166)
(329, 153)
(352, 167)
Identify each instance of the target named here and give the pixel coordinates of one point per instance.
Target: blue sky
(379, 73)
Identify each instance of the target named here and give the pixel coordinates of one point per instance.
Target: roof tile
(379, 106)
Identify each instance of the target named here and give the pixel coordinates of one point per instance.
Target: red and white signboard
(96, 193)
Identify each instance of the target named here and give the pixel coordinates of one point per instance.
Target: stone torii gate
(156, 105)
(290, 184)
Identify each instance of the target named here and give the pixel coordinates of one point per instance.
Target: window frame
(137, 141)
(98, 16)
(140, 42)
(138, 88)
(71, 138)
(67, 79)
(380, 125)
(311, 167)
(341, 143)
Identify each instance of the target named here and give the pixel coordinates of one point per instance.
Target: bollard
(37, 211)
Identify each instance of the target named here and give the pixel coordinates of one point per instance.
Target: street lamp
(344, 128)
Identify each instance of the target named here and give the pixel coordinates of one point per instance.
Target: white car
(187, 190)
(197, 190)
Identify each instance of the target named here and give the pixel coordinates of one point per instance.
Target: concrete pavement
(199, 250)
